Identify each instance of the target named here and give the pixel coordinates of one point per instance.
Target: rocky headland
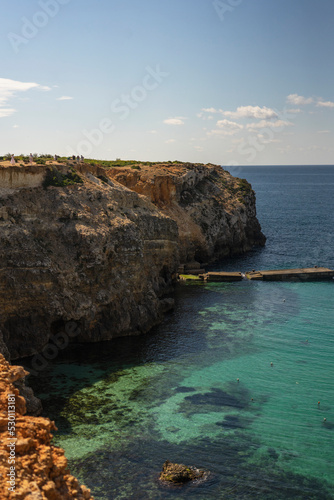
(94, 251)
(214, 211)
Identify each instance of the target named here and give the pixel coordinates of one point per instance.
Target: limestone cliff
(92, 259)
(96, 259)
(215, 212)
(29, 464)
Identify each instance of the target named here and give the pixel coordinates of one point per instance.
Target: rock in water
(179, 473)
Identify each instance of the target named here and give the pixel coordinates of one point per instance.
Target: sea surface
(237, 381)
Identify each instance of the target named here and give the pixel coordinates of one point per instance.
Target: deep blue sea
(237, 381)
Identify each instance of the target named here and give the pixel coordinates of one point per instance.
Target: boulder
(179, 473)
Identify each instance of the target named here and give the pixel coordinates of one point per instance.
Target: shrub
(55, 178)
(244, 186)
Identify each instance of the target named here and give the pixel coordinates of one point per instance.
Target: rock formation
(90, 260)
(180, 474)
(31, 468)
(215, 212)
(96, 259)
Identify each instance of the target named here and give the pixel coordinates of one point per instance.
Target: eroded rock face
(97, 256)
(40, 469)
(215, 212)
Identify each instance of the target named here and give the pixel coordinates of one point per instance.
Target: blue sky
(224, 81)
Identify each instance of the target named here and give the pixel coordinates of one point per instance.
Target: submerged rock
(179, 473)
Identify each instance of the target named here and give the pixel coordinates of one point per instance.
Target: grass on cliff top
(129, 163)
(45, 159)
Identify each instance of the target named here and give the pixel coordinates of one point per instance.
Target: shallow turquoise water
(124, 407)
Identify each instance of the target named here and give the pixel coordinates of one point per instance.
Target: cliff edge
(215, 212)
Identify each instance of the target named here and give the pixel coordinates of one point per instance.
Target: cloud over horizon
(325, 104)
(8, 90)
(258, 112)
(178, 120)
(299, 100)
(64, 98)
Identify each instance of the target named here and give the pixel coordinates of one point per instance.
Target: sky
(231, 82)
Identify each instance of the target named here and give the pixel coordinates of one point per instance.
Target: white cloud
(6, 112)
(226, 127)
(251, 112)
(210, 110)
(64, 98)
(299, 100)
(325, 104)
(323, 131)
(267, 124)
(229, 124)
(170, 141)
(154, 131)
(240, 112)
(15, 126)
(9, 88)
(178, 120)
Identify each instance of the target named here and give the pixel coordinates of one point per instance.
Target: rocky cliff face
(31, 467)
(95, 260)
(215, 212)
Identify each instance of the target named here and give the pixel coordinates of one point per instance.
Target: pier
(300, 274)
(221, 276)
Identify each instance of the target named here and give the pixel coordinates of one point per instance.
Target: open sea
(237, 381)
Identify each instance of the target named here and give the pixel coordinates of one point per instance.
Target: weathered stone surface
(40, 468)
(14, 177)
(179, 473)
(97, 256)
(215, 212)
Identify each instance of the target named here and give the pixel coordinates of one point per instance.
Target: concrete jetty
(221, 276)
(302, 274)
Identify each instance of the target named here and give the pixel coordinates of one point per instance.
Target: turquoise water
(230, 382)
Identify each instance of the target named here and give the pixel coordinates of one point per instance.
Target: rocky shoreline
(99, 257)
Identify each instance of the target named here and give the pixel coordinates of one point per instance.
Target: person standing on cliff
(30, 159)
(12, 160)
